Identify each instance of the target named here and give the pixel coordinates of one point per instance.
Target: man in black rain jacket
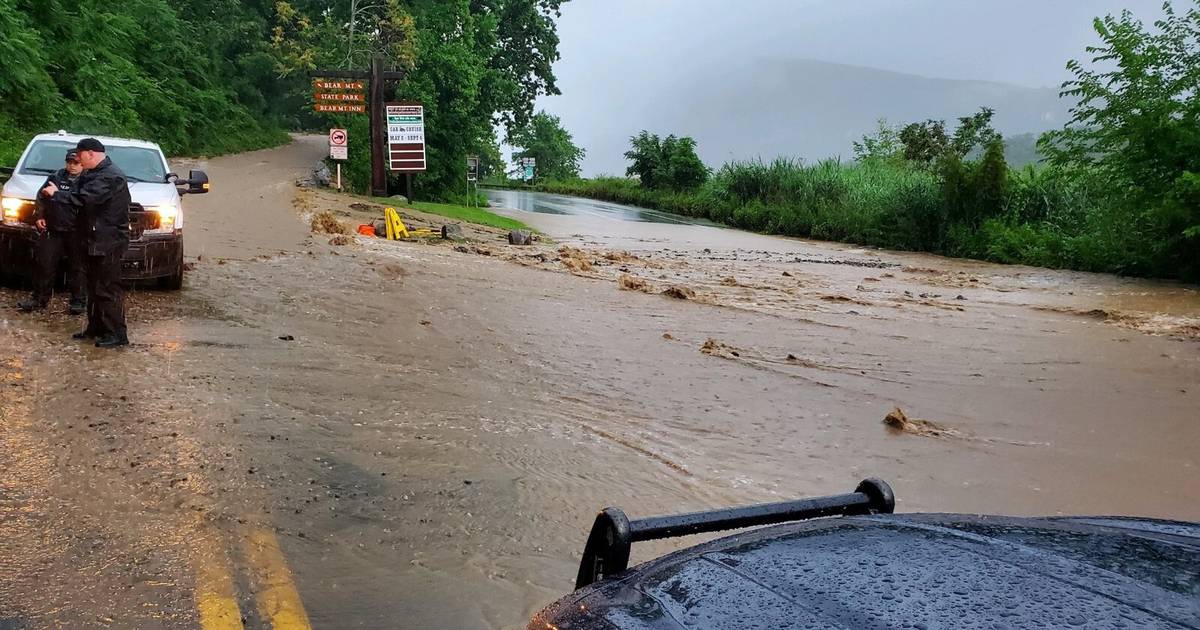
(102, 196)
(57, 237)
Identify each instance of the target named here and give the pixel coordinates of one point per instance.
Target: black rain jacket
(101, 196)
(59, 216)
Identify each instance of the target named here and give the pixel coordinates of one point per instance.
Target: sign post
(338, 150)
(472, 178)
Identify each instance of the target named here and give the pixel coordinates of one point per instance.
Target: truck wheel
(173, 282)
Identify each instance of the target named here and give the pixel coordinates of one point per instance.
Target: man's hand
(41, 225)
(49, 190)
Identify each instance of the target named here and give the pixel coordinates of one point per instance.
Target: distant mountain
(799, 108)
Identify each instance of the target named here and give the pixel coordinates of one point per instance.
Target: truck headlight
(166, 216)
(13, 207)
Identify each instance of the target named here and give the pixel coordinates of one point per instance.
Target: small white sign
(338, 153)
(337, 137)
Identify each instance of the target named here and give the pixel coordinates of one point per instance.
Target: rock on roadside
(520, 237)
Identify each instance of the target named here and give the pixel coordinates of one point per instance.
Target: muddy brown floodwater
(418, 435)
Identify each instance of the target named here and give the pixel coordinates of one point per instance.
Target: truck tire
(173, 282)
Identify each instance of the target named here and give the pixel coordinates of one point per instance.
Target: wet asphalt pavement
(404, 435)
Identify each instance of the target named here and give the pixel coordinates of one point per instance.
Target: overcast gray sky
(619, 55)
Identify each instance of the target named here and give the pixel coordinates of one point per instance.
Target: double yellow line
(270, 579)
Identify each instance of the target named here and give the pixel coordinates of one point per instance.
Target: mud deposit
(426, 430)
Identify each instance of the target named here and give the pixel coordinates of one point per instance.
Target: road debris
(574, 259)
(898, 420)
(326, 223)
(715, 348)
(633, 283)
(679, 292)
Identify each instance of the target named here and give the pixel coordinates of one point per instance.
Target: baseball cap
(72, 155)
(90, 144)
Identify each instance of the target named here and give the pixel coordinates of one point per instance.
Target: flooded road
(562, 205)
(385, 432)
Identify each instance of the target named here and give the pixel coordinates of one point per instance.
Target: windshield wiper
(136, 179)
(35, 169)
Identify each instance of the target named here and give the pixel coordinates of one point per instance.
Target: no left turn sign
(337, 137)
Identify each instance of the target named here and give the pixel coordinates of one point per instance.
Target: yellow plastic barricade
(395, 227)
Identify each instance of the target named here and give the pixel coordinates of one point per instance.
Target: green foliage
(974, 191)
(1137, 130)
(883, 145)
(1137, 120)
(667, 163)
(545, 140)
(974, 131)
(491, 162)
(925, 143)
(134, 68)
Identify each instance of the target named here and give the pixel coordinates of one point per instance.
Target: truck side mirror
(197, 182)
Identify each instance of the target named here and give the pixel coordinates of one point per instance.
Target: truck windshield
(140, 164)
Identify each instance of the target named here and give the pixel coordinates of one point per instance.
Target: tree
(491, 163)
(521, 56)
(685, 169)
(927, 142)
(647, 157)
(1137, 127)
(974, 191)
(666, 163)
(990, 182)
(883, 145)
(974, 131)
(26, 83)
(545, 140)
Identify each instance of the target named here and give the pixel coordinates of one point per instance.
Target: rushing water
(545, 203)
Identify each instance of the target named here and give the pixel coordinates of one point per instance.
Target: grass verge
(478, 216)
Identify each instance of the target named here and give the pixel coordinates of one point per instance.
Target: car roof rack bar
(613, 534)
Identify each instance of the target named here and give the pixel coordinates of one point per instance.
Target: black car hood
(910, 571)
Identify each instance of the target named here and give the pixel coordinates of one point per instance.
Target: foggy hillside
(803, 108)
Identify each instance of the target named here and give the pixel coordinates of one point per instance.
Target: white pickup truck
(155, 216)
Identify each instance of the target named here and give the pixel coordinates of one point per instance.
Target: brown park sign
(340, 108)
